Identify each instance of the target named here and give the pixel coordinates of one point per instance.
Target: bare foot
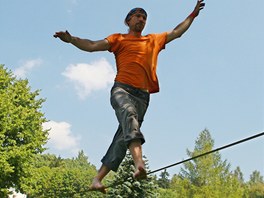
(97, 186)
(140, 173)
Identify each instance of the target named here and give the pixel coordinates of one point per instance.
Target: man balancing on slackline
(136, 61)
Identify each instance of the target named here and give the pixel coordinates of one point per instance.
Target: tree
(180, 186)
(167, 193)
(239, 175)
(67, 178)
(123, 186)
(207, 176)
(164, 180)
(256, 177)
(256, 185)
(21, 132)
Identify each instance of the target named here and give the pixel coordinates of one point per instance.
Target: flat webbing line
(209, 152)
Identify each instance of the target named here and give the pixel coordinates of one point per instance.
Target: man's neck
(136, 34)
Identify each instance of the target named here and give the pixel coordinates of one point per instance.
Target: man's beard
(139, 27)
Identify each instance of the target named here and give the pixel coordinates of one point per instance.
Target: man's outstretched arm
(83, 44)
(184, 26)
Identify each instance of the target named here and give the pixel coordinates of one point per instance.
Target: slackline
(209, 152)
(197, 156)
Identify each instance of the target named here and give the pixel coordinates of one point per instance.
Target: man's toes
(97, 186)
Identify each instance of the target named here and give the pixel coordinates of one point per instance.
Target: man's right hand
(64, 36)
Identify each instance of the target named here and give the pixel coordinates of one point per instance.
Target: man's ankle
(97, 179)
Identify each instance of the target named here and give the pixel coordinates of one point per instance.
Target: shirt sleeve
(161, 40)
(112, 40)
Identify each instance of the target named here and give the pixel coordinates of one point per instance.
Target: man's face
(137, 22)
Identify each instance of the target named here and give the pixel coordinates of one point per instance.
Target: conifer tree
(164, 180)
(208, 176)
(124, 186)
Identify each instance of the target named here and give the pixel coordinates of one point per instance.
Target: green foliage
(57, 177)
(124, 186)
(167, 193)
(256, 185)
(181, 186)
(255, 178)
(256, 191)
(239, 175)
(21, 133)
(207, 176)
(164, 180)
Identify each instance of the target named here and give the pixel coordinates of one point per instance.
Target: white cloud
(26, 67)
(90, 77)
(61, 137)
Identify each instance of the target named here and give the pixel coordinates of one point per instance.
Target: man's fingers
(56, 34)
(202, 5)
(201, 2)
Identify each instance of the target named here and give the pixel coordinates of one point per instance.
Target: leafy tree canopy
(57, 177)
(21, 132)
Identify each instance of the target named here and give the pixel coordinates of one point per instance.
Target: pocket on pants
(118, 97)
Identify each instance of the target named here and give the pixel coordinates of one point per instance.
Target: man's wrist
(193, 14)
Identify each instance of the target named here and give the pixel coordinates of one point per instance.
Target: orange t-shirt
(136, 59)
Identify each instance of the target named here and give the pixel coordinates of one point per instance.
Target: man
(136, 61)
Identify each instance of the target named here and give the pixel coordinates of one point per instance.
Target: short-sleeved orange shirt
(136, 59)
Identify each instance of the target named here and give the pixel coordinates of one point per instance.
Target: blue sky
(212, 77)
